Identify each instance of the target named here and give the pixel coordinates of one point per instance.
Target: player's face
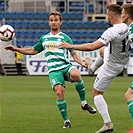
(124, 17)
(55, 22)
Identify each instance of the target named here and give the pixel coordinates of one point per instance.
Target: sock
(102, 108)
(98, 62)
(130, 108)
(81, 91)
(62, 108)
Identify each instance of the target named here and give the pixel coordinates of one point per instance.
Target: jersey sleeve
(107, 36)
(38, 46)
(69, 40)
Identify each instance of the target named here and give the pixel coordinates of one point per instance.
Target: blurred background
(83, 20)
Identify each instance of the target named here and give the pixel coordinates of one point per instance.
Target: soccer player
(127, 17)
(116, 38)
(59, 67)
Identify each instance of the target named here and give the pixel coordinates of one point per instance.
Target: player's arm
(27, 51)
(83, 47)
(77, 58)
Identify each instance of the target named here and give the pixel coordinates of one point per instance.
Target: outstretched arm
(27, 51)
(82, 47)
(78, 59)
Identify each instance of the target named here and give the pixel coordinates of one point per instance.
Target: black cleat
(89, 109)
(67, 124)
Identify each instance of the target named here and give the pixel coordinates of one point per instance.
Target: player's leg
(92, 67)
(129, 100)
(102, 81)
(79, 85)
(58, 85)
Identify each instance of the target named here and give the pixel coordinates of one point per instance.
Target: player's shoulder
(122, 27)
(64, 34)
(66, 37)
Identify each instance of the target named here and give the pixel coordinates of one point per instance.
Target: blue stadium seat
(19, 24)
(12, 23)
(84, 34)
(85, 25)
(77, 34)
(90, 8)
(18, 42)
(70, 33)
(36, 16)
(106, 24)
(44, 15)
(92, 34)
(72, 15)
(71, 25)
(33, 34)
(81, 41)
(23, 42)
(25, 34)
(64, 25)
(79, 16)
(1, 15)
(41, 24)
(34, 25)
(21, 15)
(98, 33)
(29, 15)
(3, 6)
(26, 25)
(14, 15)
(18, 34)
(100, 25)
(78, 25)
(7, 16)
(75, 41)
(31, 42)
(40, 33)
(92, 24)
(65, 15)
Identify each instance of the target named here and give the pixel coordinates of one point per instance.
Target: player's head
(55, 21)
(113, 13)
(127, 13)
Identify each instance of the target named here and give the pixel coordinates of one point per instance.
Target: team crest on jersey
(51, 46)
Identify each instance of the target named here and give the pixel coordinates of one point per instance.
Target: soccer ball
(7, 33)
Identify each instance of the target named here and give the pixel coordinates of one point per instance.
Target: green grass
(28, 106)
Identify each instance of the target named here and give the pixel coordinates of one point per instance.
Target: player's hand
(84, 65)
(10, 47)
(64, 45)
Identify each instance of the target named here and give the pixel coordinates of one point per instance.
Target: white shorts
(105, 76)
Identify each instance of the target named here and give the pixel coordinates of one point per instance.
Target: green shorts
(131, 86)
(60, 76)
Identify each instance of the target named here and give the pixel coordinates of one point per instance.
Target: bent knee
(75, 75)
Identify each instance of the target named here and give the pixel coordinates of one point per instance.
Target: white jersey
(117, 37)
(118, 55)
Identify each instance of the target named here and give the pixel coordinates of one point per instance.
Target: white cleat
(89, 62)
(107, 128)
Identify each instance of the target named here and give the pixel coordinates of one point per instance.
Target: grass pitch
(28, 106)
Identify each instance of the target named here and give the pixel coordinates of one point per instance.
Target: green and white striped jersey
(56, 58)
(130, 34)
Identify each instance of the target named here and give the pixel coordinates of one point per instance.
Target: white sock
(83, 103)
(98, 62)
(102, 108)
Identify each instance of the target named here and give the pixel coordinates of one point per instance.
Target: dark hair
(55, 13)
(115, 8)
(128, 8)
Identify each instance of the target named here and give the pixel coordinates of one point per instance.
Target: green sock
(81, 90)
(130, 108)
(62, 108)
